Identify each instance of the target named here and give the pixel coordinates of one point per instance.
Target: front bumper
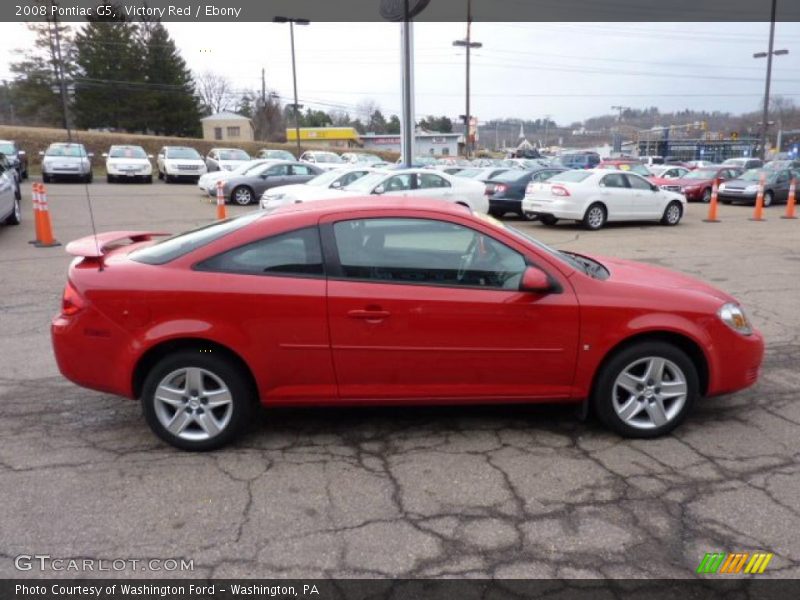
(740, 197)
(736, 362)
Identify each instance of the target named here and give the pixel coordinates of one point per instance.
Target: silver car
(62, 160)
(10, 213)
(246, 188)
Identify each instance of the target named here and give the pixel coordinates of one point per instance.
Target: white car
(66, 160)
(363, 158)
(423, 183)
(318, 188)
(179, 162)
(208, 182)
(324, 160)
(10, 211)
(596, 196)
(128, 163)
(225, 159)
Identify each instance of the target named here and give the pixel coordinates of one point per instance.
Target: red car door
(421, 308)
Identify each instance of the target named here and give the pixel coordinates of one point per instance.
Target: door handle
(368, 315)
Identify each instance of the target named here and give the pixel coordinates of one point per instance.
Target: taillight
(500, 188)
(559, 190)
(71, 301)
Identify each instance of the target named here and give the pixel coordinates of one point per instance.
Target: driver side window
(424, 251)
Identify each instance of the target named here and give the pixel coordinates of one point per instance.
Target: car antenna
(62, 85)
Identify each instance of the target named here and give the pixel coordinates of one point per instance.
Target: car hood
(650, 276)
(743, 183)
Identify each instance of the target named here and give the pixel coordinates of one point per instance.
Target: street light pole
(768, 55)
(468, 44)
(292, 22)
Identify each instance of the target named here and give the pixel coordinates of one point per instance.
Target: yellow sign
(322, 133)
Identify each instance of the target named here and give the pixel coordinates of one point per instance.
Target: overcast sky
(524, 70)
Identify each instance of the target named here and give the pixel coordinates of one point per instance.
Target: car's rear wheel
(242, 195)
(672, 214)
(707, 195)
(646, 390)
(548, 220)
(15, 218)
(197, 401)
(595, 217)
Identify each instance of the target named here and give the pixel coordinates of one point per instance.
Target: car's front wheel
(767, 199)
(197, 401)
(672, 214)
(646, 390)
(242, 195)
(15, 218)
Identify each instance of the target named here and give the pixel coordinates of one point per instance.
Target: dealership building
(426, 143)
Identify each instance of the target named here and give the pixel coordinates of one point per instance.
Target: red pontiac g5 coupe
(352, 301)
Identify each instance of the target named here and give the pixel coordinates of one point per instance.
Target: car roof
(328, 206)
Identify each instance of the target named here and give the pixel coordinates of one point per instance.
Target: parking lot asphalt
(419, 492)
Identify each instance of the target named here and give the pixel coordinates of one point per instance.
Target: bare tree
(215, 91)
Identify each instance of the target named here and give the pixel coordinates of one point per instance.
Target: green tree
(393, 126)
(172, 106)
(438, 124)
(377, 122)
(35, 93)
(110, 87)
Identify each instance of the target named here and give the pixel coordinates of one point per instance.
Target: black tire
(707, 195)
(88, 178)
(242, 195)
(603, 394)
(167, 178)
(17, 192)
(15, 218)
(148, 179)
(672, 214)
(595, 217)
(226, 370)
(768, 197)
(160, 174)
(25, 174)
(46, 178)
(548, 220)
(110, 179)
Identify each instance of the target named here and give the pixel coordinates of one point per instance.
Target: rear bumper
(506, 204)
(556, 208)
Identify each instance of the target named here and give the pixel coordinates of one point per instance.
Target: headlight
(733, 316)
(721, 187)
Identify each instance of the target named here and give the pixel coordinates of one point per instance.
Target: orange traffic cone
(46, 239)
(790, 202)
(712, 207)
(758, 212)
(221, 212)
(37, 213)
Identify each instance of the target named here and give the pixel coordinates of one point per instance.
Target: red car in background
(696, 185)
(664, 174)
(634, 166)
(359, 301)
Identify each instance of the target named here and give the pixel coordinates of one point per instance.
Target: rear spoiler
(96, 246)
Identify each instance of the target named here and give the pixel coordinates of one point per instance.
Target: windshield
(64, 150)
(471, 173)
(281, 154)
(173, 247)
(327, 157)
(326, 178)
(127, 152)
(369, 159)
(510, 176)
(574, 176)
(7, 149)
(183, 153)
(701, 174)
(755, 175)
(233, 155)
(366, 183)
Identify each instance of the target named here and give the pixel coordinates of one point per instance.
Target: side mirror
(379, 190)
(654, 187)
(336, 184)
(535, 280)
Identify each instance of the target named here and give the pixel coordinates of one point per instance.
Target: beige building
(227, 127)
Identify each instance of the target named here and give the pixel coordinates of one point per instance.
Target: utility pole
(468, 44)
(292, 23)
(768, 55)
(621, 109)
(263, 87)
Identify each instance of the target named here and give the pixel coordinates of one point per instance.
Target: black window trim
(335, 272)
(198, 266)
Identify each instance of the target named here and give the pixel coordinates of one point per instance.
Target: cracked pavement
(500, 491)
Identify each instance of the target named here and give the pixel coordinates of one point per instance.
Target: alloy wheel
(649, 393)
